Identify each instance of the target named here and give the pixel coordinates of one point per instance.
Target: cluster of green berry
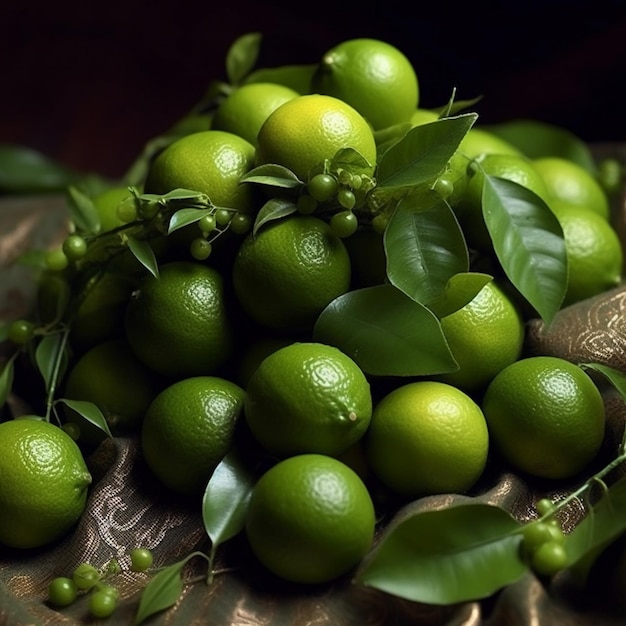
(343, 191)
(86, 578)
(544, 541)
(213, 225)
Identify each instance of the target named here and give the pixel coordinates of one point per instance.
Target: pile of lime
(313, 278)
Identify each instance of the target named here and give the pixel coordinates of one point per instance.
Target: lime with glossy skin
(310, 519)
(44, 483)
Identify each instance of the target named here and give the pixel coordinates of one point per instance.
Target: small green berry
(74, 247)
(549, 558)
(207, 224)
(102, 604)
(62, 591)
(346, 198)
(241, 223)
(223, 216)
(200, 249)
(344, 224)
(85, 576)
(20, 331)
(140, 559)
(323, 187)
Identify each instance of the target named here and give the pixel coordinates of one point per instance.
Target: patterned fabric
(127, 508)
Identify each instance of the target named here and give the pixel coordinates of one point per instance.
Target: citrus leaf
(179, 193)
(83, 211)
(350, 159)
(89, 411)
(162, 592)
(296, 77)
(273, 209)
(460, 290)
(144, 254)
(604, 523)
(528, 241)
(385, 332)
(225, 501)
(538, 139)
(47, 355)
(23, 170)
(184, 217)
(615, 377)
(242, 56)
(273, 175)
(461, 553)
(453, 106)
(6, 381)
(423, 152)
(424, 246)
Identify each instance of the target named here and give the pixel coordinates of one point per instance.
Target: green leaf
(162, 592)
(422, 154)
(242, 56)
(225, 501)
(424, 246)
(462, 553)
(273, 209)
(538, 139)
(615, 377)
(386, 333)
(90, 412)
(47, 355)
(272, 175)
(83, 211)
(23, 170)
(184, 217)
(351, 160)
(6, 380)
(528, 241)
(176, 194)
(460, 290)
(296, 77)
(604, 523)
(144, 254)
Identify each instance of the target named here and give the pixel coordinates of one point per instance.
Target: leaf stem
(55, 371)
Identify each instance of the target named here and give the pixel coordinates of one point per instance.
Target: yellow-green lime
(210, 162)
(245, 109)
(305, 131)
(570, 182)
(372, 76)
(44, 483)
(107, 203)
(310, 519)
(308, 397)
(427, 437)
(188, 429)
(594, 252)
(485, 335)
(545, 416)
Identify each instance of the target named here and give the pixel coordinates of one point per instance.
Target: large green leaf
(461, 553)
(424, 246)
(24, 170)
(538, 139)
(386, 333)
(423, 152)
(528, 241)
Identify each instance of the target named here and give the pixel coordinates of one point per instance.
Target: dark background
(89, 83)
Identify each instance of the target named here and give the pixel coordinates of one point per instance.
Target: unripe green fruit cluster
(86, 578)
